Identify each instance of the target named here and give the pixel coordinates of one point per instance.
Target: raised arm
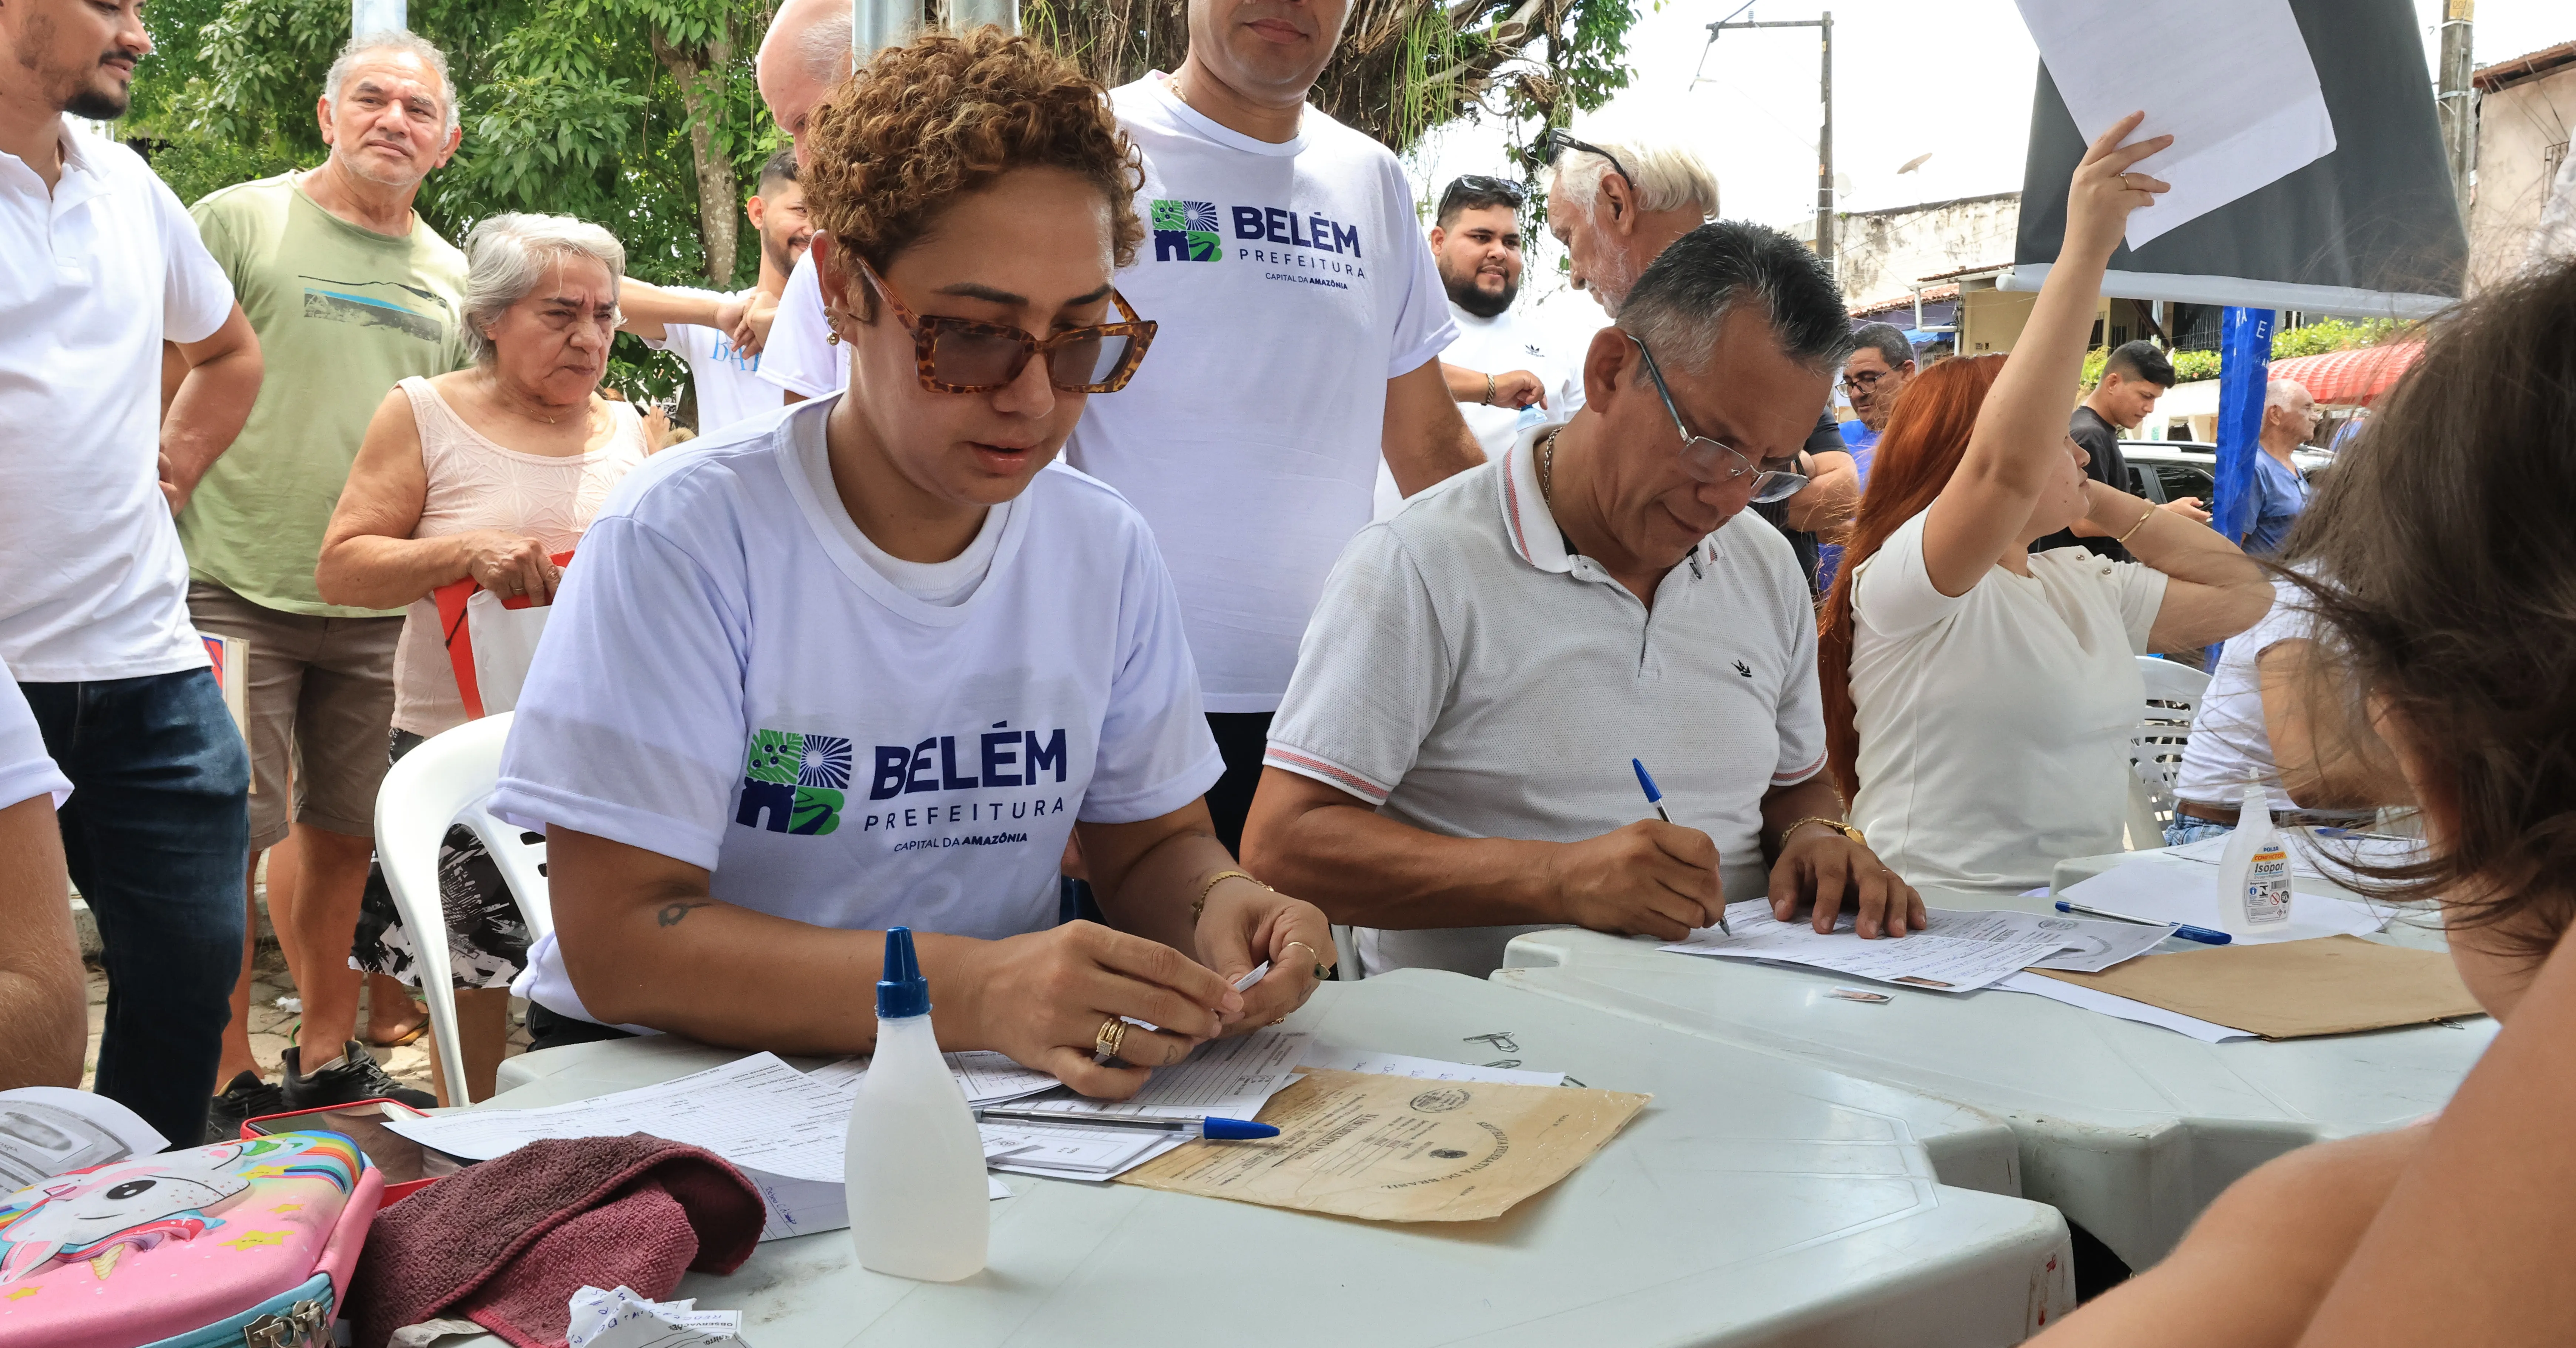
(1425, 440)
(369, 558)
(647, 310)
(2212, 591)
(208, 407)
(2019, 443)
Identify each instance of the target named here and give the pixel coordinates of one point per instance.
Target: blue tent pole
(2244, 371)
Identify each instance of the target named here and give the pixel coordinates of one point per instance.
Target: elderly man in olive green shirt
(349, 291)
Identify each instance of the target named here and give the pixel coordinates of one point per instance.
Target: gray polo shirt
(1470, 677)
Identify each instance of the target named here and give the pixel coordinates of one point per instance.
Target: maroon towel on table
(506, 1243)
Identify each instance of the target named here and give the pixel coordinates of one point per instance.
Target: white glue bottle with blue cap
(914, 1168)
(2254, 871)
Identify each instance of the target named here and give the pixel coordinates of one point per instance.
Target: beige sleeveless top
(475, 483)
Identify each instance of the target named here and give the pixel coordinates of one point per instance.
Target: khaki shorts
(321, 696)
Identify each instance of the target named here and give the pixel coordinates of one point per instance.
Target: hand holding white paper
(2230, 80)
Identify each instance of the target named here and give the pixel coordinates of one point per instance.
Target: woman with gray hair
(488, 473)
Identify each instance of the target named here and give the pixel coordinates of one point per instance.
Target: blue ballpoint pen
(2182, 929)
(1214, 1129)
(1656, 799)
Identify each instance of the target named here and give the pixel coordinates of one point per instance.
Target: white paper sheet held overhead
(2230, 80)
(2187, 891)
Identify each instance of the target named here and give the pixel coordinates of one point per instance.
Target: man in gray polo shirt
(1451, 762)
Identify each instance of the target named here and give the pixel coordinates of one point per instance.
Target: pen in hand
(1656, 799)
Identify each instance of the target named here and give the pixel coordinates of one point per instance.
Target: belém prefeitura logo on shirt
(799, 783)
(1196, 231)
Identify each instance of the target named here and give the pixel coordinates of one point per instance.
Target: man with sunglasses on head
(1616, 205)
(1504, 372)
(1450, 767)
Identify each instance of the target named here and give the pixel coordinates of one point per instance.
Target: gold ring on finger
(1321, 972)
(1110, 1037)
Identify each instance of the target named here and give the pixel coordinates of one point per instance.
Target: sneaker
(247, 1097)
(355, 1077)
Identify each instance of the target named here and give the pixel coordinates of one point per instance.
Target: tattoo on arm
(672, 912)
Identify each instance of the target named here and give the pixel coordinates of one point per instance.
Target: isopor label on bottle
(2267, 887)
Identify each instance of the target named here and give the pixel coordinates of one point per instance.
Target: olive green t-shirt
(342, 314)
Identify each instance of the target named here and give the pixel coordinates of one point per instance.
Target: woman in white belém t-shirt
(871, 663)
(1978, 698)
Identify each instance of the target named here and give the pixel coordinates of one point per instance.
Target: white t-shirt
(93, 277)
(1994, 726)
(946, 584)
(799, 357)
(1290, 282)
(26, 770)
(1499, 345)
(725, 682)
(1470, 678)
(2230, 747)
(729, 388)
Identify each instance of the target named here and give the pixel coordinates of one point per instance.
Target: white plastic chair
(2174, 692)
(445, 781)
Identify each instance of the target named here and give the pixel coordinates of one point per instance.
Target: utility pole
(2458, 101)
(1825, 135)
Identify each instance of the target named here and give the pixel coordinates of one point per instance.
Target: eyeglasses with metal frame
(964, 355)
(1706, 459)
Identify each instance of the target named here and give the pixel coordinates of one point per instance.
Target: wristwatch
(1847, 830)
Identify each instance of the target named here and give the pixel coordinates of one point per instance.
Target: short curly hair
(921, 125)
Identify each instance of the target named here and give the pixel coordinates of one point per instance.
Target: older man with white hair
(350, 292)
(2280, 485)
(1616, 205)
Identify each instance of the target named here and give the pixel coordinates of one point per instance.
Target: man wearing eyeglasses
(1450, 766)
(1880, 365)
(1616, 205)
(1505, 373)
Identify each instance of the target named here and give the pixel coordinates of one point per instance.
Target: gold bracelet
(1199, 904)
(1847, 830)
(1489, 390)
(2141, 524)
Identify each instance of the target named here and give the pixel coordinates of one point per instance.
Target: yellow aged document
(1397, 1149)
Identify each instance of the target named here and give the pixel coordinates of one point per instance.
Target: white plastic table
(2128, 1129)
(1756, 1201)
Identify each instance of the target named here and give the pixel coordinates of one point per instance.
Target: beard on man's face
(99, 105)
(1464, 292)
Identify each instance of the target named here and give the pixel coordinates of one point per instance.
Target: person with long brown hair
(1978, 698)
(2442, 633)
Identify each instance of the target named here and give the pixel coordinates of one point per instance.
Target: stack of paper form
(1959, 951)
(1229, 1078)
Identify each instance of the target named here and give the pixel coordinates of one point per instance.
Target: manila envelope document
(1395, 1149)
(2293, 989)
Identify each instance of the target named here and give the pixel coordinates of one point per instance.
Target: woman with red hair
(1978, 699)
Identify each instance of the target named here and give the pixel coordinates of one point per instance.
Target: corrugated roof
(2504, 74)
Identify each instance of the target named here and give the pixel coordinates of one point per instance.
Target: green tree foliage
(642, 115)
(2331, 334)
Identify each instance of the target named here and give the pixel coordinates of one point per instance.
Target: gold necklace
(1547, 471)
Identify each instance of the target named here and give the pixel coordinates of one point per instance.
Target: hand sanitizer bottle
(2254, 871)
(914, 1169)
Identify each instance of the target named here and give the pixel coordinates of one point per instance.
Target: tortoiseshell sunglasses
(962, 355)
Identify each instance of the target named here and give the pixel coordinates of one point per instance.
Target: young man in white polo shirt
(1451, 765)
(98, 265)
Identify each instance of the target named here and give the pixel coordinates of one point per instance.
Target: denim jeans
(157, 832)
(2185, 829)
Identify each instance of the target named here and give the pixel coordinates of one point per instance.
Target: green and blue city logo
(1185, 231)
(794, 783)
